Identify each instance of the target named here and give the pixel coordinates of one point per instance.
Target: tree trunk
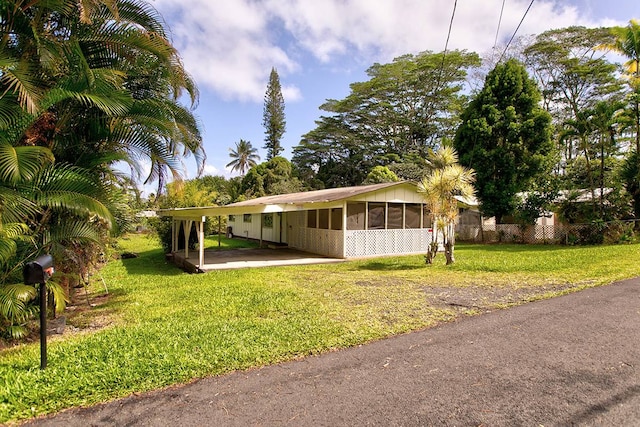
(449, 245)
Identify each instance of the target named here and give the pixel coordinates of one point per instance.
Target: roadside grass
(161, 326)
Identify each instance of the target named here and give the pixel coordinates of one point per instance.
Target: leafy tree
(244, 157)
(273, 116)
(505, 137)
(630, 174)
(269, 178)
(573, 76)
(405, 109)
(380, 174)
(439, 188)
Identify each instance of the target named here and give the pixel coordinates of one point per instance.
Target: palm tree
(244, 157)
(627, 43)
(439, 188)
(88, 83)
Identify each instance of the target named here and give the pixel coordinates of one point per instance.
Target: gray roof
(317, 196)
(281, 202)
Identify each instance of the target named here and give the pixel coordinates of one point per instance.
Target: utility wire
(446, 44)
(495, 42)
(514, 33)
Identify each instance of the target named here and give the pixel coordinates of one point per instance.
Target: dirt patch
(83, 313)
(484, 299)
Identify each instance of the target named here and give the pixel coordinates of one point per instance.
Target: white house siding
(251, 230)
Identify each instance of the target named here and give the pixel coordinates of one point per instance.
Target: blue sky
(319, 47)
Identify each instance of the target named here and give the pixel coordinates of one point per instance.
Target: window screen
(427, 222)
(311, 219)
(336, 219)
(267, 221)
(376, 216)
(246, 218)
(395, 216)
(412, 215)
(356, 216)
(323, 219)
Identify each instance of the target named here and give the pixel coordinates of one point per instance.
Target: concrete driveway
(249, 257)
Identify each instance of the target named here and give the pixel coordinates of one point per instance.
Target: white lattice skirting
(363, 243)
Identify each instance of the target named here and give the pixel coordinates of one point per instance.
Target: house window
(312, 219)
(232, 218)
(395, 215)
(246, 218)
(323, 219)
(412, 215)
(267, 221)
(336, 219)
(356, 216)
(376, 216)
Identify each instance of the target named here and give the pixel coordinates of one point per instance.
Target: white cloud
(230, 46)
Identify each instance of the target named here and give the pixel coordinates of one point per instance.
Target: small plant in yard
(161, 326)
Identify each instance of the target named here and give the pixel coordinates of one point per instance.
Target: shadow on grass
(385, 266)
(151, 263)
(507, 247)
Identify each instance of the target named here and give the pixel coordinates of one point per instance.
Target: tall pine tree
(273, 117)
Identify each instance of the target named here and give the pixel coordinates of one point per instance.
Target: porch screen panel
(355, 216)
(412, 215)
(323, 219)
(336, 219)
(311, 219)
(427, 217)
(394, 216)
(376, 216)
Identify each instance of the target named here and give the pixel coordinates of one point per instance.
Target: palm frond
(22, 163)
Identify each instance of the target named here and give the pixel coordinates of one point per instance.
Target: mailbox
(38, 271)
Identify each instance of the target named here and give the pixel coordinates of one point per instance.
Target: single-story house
(351, 222)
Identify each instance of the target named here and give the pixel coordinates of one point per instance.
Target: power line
(514, 33)
(446, 45)
(495, 42)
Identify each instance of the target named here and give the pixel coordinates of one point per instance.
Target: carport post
(201, 241)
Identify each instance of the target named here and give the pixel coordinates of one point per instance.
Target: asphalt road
(571, 360)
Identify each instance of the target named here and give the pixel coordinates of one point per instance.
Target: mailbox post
(38, 272)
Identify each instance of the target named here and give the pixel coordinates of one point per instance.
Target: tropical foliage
(244, 156)
(85, 85)
(441, 188)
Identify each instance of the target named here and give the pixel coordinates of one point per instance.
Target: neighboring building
(351, 222)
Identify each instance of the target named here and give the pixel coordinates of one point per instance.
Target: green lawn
(161, 326)
(212, 242)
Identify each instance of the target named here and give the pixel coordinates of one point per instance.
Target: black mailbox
(38, 271)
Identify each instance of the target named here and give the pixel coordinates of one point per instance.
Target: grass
(225, 244)
(161, 326)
